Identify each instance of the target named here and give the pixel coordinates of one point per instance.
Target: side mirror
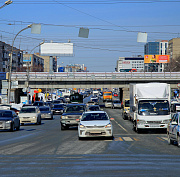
(133, 108)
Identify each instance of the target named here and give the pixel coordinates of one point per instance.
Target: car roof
(5, 110)
(82, 104)
(44, 107)
(29, 107)
(95, 112)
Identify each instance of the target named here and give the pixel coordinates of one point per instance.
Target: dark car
(93, 108)
(72, 115)
(63, 99)
(9, 120)
(46, 112)
(57, 101)
(58, 108)
(38, 103)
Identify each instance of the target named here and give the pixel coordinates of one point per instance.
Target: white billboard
(57, 49)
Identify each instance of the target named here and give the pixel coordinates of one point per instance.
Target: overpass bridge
(92, 79)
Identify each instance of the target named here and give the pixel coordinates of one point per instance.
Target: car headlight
(34, 117)
(49, 113)
(64, 117)
(166, 121)
(81, 126)
(108, 125)
(8, 122)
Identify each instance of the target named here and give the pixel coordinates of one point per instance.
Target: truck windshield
(153, 107)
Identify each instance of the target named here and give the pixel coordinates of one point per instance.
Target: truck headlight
(141, 121)
(81, 126)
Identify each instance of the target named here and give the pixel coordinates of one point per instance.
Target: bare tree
(174, 65)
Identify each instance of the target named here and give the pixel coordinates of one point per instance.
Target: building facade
(5, 52)
(155, 48)
(126, 64)
(174, 48)
(34, 62)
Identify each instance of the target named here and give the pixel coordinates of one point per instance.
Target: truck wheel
(169, 140)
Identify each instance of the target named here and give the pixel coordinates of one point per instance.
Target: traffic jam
(149, 106)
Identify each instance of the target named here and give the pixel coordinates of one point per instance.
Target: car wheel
(169, 140)
(18, 127)
(63, 127)
(12, 127)
(178, 141)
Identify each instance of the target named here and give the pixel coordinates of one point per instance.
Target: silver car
(46, 112)
(116, 104)
(30, 114)
(95, 124)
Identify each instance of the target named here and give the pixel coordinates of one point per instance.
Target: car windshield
(153, 107)
(94, 116)
(127, 103)
(94, 108)
(28, 110)
(6, 114)
(75, 108)
(57, 101)
(117, 101)
(38, 104)
(106, 94)
(58, 106)
(44, 109)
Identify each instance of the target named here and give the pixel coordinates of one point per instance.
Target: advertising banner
(156, 59)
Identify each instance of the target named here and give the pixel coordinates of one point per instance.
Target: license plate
(95, 131)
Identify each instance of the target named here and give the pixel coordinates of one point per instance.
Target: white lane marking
(121, 126)
(164, 138)
(127, 139)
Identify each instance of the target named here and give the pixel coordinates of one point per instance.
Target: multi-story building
(34, 62)
(5, 52)
(155, 48)
(173, 48)
(47, 63)
(126, 64)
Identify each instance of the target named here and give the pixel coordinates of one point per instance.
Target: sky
(113, 27)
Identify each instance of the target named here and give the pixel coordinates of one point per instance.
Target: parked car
(173, 130)
(108, 104)
(9, 120)
(116, 104)
(58, 108)
(93, 108)
(46, 112)
(30, 114)
(95, 124)
(72, 115)
(115, 95)
(38, 103)
(63, 99)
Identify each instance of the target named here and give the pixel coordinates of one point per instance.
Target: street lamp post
(6, 3)
(36, 29)
(28, 68)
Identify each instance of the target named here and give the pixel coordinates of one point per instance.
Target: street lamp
(6, 3)
(35, 29)
(28, 72)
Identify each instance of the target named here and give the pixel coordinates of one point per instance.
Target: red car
(115, 94)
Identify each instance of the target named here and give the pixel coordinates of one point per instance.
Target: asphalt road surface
(45, 150)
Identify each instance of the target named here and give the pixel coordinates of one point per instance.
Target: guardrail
(96, 75)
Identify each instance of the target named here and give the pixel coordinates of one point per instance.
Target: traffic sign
(178, 85)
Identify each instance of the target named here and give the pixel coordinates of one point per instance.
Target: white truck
(150, 106)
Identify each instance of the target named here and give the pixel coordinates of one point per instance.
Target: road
(45, 150)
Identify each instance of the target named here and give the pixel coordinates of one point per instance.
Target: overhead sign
(57, 49)
(156, 59)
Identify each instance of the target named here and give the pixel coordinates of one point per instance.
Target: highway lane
(45, 150)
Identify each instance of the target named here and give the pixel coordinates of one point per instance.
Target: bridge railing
(95, 75)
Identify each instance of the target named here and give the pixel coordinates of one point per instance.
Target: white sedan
(95, 124)
(30, 114)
